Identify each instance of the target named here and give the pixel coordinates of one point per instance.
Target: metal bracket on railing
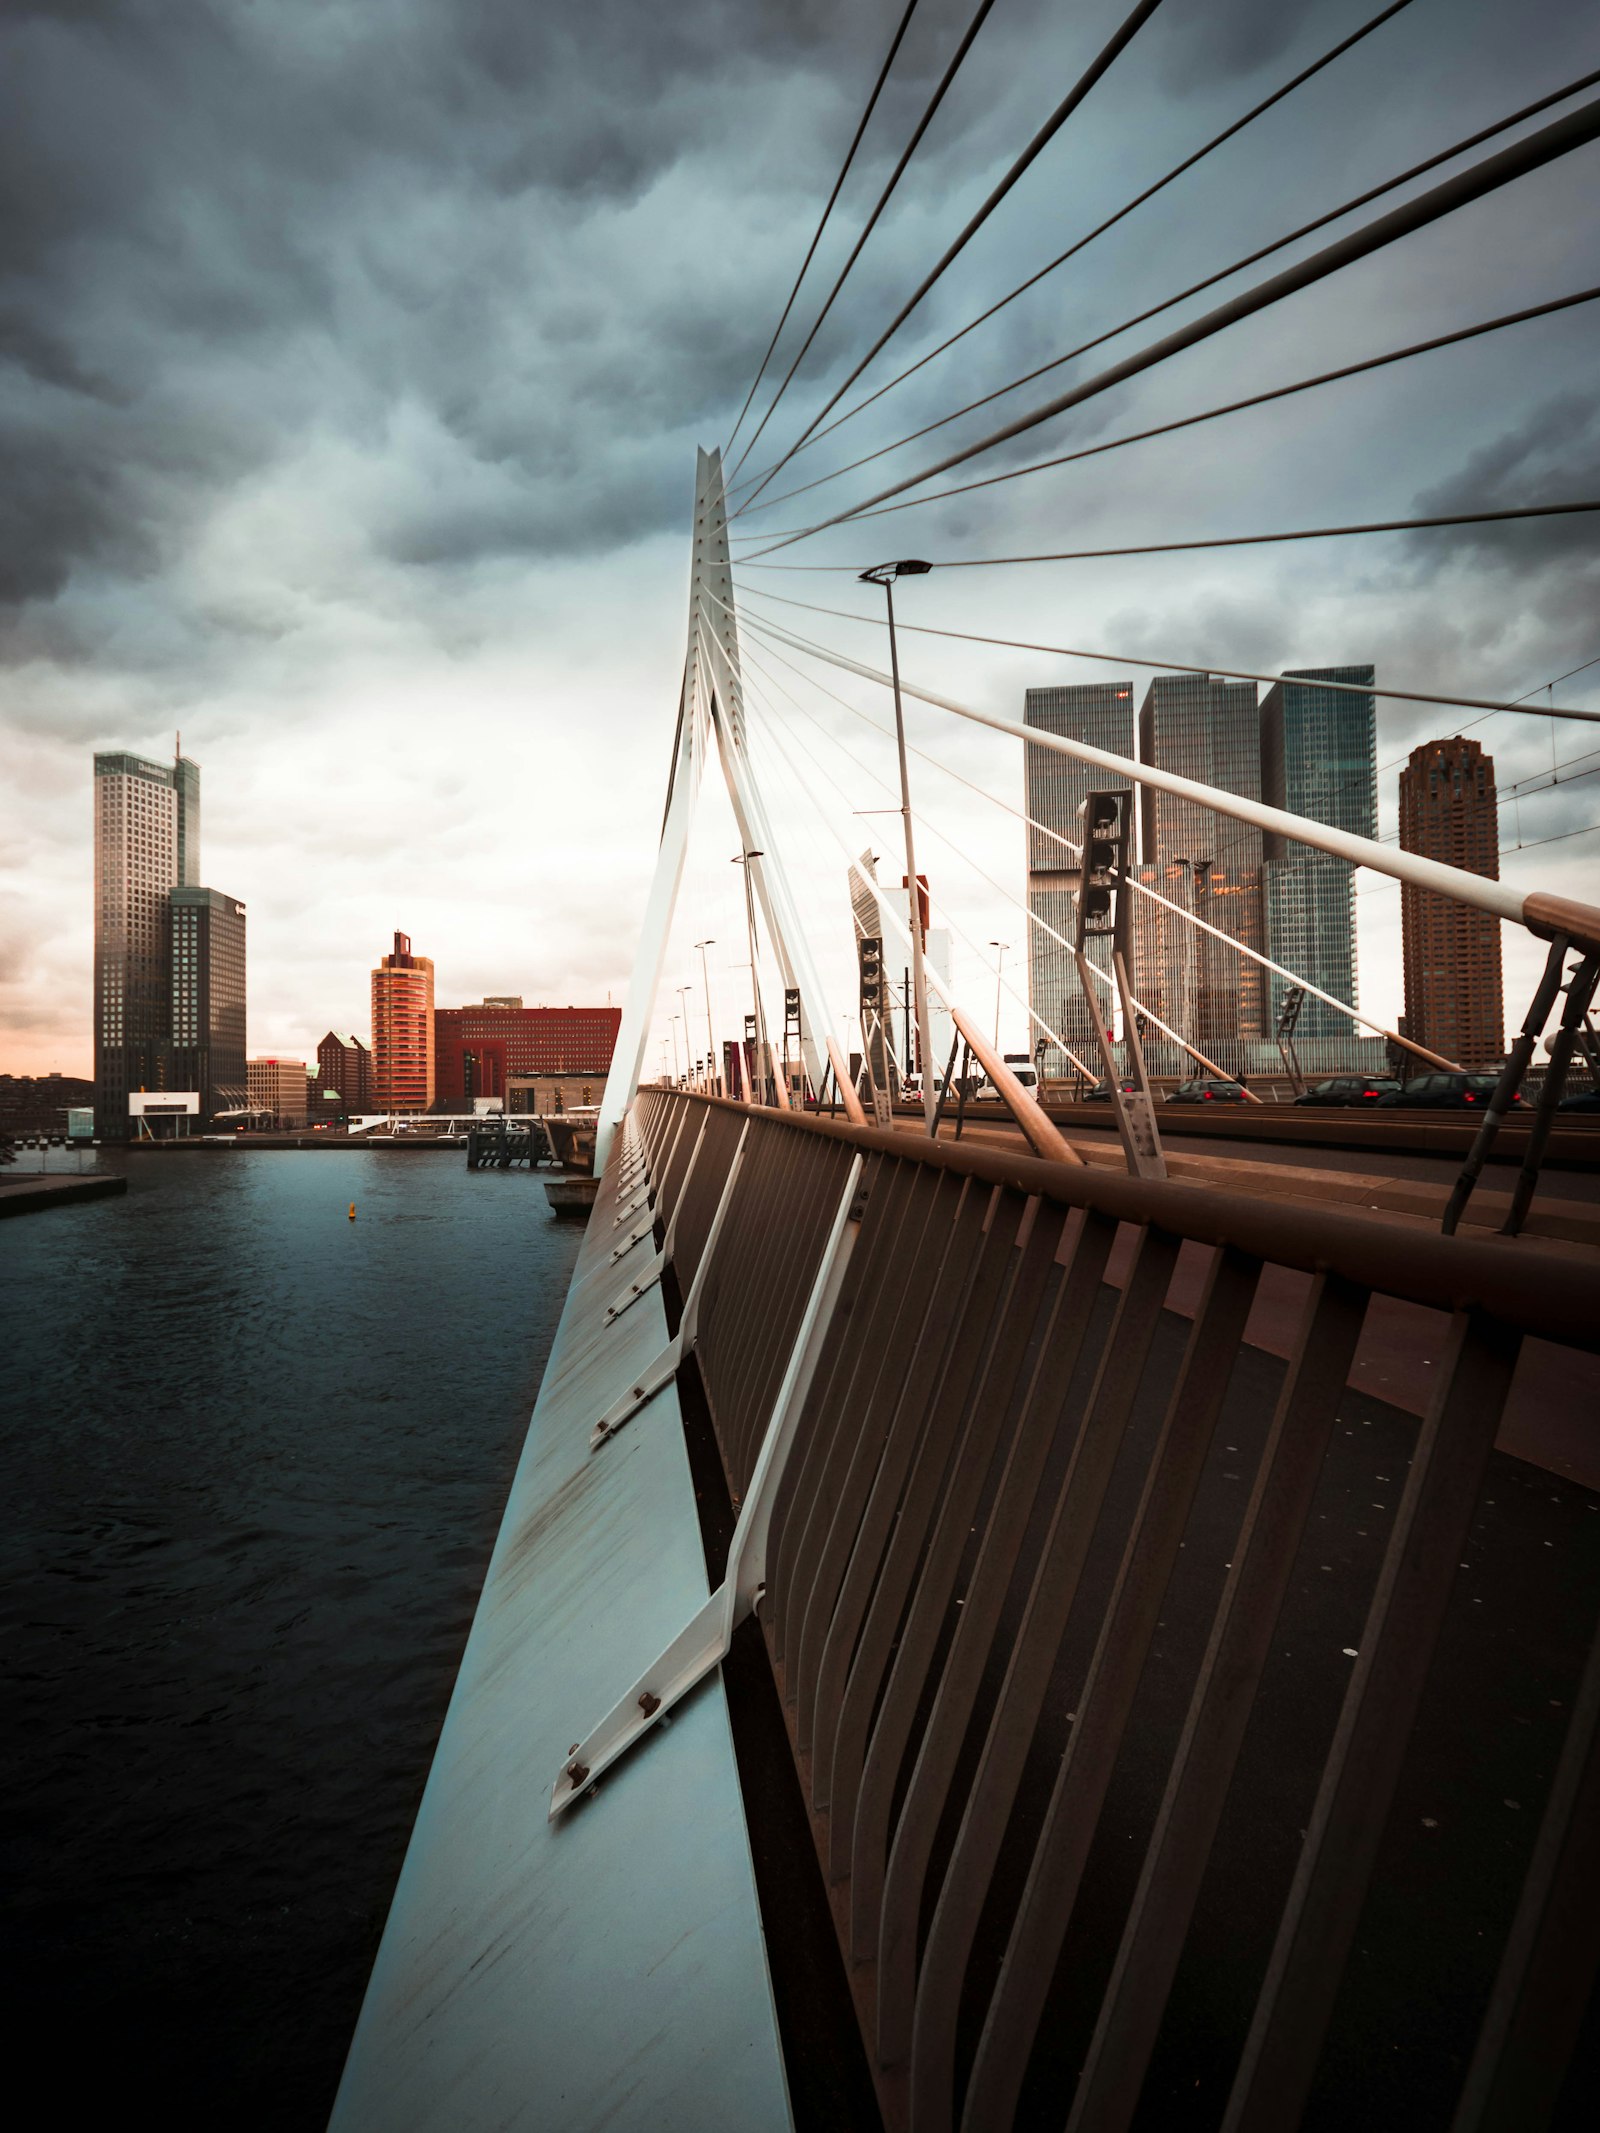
(683, 1341)
(644, 1230)
(654, 1378)
(636, 1289)
(703, 1641)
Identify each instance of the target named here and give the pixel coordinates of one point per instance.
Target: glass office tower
(1318, 758)
(146, 843)
(206, 1049)
(1199, 727)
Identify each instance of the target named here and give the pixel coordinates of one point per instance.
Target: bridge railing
(1113, 1775)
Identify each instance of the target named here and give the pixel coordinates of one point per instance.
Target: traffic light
(1103, 837)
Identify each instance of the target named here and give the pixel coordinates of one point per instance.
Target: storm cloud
(353, 354)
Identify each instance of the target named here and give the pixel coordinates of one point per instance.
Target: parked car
(1101, 1092)
(1350, 1089)
(1583, 1100)
(1447, 1092)
(1208, 1089)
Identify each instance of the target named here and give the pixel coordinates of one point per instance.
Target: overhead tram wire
(895, 176)
(1168, 666)
(1228, 540)
(1561, 137)
(838, 183)
(1177, 171)
(1123, 36)
(1141, 888)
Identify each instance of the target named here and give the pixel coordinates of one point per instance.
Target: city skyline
(364, 530)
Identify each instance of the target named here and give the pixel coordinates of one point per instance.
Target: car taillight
(1467, 1097)
(1205, 1096)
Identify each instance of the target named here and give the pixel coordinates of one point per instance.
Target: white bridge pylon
(710, 706)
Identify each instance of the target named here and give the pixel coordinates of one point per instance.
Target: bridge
(1061, 1625)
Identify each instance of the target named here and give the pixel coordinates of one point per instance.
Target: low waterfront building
(279, 1090)
(544, 1093)
(478, 1050)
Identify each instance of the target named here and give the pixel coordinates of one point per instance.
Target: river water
(253, 1456)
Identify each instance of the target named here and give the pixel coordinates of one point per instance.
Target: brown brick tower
(1455, 1001)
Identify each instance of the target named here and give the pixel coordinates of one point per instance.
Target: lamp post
(683, 992)
(672, 1024)
(743, 859)
(711, 1042)
(1000, 964)
(885, 574)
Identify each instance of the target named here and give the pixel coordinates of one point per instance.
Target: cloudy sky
(353, 354)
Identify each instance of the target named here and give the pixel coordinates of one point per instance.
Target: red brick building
(344, 1064)
(1455, 998)
(475, 1048)
(402, 1030)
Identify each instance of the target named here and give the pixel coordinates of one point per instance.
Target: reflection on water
(253, 1456)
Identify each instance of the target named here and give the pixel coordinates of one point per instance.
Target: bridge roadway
(1549, 1417)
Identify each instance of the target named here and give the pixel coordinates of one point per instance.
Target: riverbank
(28, 1195)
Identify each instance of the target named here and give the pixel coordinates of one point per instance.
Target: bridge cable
(1164, 429)
(1170, 666)
(1141, 888)
(844, 170)
(1560, 138)
(796, 771)
(1100, 65)
(1228, 540)
(921, 128)
(1021, 289)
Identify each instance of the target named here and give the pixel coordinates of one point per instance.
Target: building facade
(146, 843)
(476, 1050)
(1318, 758)
(1199, 727)
(1101, 714)
(1455, 999)
(402, 1030)
(344, 1065)
(205, 1045)
(280, 1088)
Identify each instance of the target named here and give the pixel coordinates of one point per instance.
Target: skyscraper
(344, 1064)
(1208, 863)
(205, 1044)
(1318, 758)
(402, 1029)
(1099, 713)
(146, 843)
(1455, 1001)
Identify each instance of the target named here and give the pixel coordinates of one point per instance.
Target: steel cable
(1123, 36)
(1177, 171)
(844, 171)
(1181, 422)
(1561, 137)
(895, 176)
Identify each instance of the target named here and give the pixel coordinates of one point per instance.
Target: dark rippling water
(252, 1458)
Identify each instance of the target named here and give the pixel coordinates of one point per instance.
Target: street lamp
(677, 1077)
(1000, 964)
(711, 1042)
(683, 992)
(884, 574)
(743, 859)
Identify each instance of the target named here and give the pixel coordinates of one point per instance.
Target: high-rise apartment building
(402, 1029)
(344, 1064)
(1318, 758)
(1455, 1000)
(205, 1045)
(146, 843)
(1099, 713)
(1199, 727)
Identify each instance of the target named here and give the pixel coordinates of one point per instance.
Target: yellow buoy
(352, 1210)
